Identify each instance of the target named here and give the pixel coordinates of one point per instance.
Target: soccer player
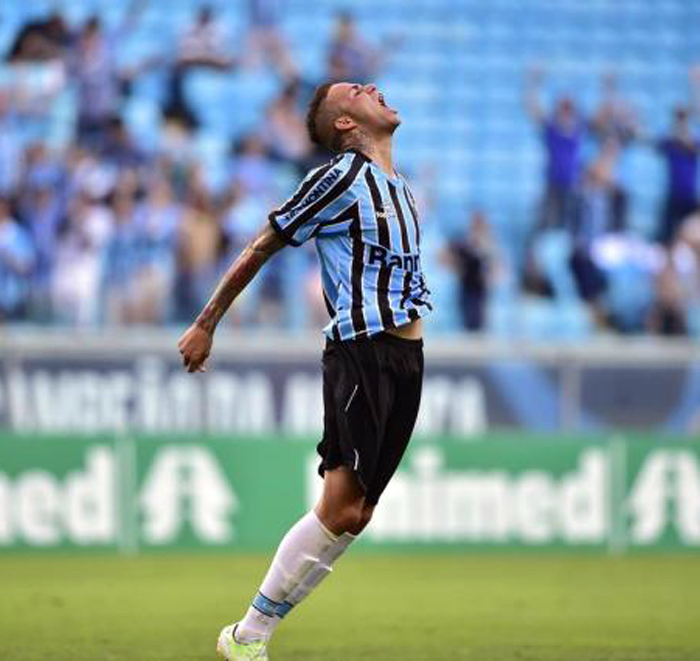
(363, 218)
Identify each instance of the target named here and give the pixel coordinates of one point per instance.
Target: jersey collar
(353, 150)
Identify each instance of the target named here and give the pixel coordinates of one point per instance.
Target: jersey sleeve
(320, 198)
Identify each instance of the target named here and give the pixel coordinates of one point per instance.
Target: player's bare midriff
(413, 330)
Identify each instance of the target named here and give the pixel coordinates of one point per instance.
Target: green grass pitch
(477, 607)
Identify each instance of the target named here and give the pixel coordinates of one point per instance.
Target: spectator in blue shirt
(10, 144)
(157, 219)
(43, 216)
(99, 80)
(614, 125)
(121, 255)
(680, 150)
(562, 133)
(16, 265)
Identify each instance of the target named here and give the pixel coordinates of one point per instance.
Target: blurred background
(553, 149)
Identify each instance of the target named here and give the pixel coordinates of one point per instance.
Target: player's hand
(195, 346)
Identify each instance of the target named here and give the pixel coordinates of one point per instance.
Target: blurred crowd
(100, 230)
(587, 198)
(96, 228)
(583, 245)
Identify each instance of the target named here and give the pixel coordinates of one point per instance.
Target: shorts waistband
(383, 337)
(389, 338)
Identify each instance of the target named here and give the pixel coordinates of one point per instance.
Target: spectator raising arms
(562, 133)
(680, 150)
(614, 125)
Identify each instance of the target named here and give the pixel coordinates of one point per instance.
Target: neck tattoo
(360, 141)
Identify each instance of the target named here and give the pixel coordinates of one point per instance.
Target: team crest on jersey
(320, 189)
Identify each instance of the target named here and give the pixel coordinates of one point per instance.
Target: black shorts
(371, 394)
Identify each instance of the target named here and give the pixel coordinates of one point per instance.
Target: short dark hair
(319, 121)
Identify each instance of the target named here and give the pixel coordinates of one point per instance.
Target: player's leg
(350, 494)
(349, 452)
(350, 491)
(306, 553)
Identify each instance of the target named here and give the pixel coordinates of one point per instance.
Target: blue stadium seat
(629, 294)
(143, 119)
(551, 252)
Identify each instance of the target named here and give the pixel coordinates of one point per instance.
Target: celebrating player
(363, 218)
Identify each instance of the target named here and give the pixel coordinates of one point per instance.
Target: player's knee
(347, 518)
(365, 518)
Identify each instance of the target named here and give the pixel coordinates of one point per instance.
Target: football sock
(303, 559)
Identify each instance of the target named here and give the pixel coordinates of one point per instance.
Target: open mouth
(382, 102)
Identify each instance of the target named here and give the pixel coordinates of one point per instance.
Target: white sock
(303, 559)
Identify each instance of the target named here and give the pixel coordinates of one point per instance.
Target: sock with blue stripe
(303, 559)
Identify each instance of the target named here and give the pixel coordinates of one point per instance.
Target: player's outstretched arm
(195, 343)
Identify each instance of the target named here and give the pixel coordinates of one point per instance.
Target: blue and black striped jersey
(367, 235)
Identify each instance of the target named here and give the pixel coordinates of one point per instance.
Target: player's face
(366, 106)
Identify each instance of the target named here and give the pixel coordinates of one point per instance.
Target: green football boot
(229, 649)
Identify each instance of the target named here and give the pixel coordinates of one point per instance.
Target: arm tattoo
(240, 273)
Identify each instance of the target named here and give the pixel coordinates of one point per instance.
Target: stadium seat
(551, 252)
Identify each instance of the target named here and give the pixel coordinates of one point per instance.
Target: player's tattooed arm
(196, 342)
(241, 272)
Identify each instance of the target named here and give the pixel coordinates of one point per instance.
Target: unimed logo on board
(430, 501)
(184, 488)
